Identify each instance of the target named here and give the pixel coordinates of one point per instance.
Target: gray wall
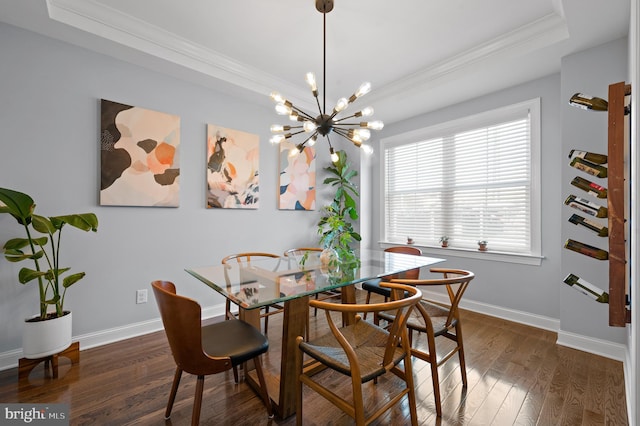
(49, 116)
(538, 290)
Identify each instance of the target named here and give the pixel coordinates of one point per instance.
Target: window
(471, 179)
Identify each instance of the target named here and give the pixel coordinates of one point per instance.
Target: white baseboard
(576, 341)
(10, 359)
(604, 348)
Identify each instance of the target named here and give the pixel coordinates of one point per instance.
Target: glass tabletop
(266, 281)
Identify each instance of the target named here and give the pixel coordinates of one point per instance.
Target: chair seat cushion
(437, 313)
(368, 341)
(235, 339)
(373, 286)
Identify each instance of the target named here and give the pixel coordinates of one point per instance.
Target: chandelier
(326, 122)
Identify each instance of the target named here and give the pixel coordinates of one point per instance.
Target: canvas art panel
(139, 156)
(233, 158)
(297, 178)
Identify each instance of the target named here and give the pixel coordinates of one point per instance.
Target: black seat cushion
(373, 286)
(234, 338)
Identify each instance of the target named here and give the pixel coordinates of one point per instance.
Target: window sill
(495, 256)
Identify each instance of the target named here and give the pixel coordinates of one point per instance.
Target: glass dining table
(289, 281)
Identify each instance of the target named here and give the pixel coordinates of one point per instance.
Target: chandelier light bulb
(334, 156)
(311, 80)
(282, 109)
(363, 89)
(367, 112)
(276, 139)
(366, 149)
(276, 128)
(294, 151)
(277, 98)
(374, 125)
(309, 126)
(341, 105)
(313, 140)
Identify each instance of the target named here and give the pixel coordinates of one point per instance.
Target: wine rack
(619, 314)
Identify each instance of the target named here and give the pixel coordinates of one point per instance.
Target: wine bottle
(589, 156)
(602, 231)
(590, 187)
(589, 167)
(586, 288)
(583, 101)
(586, 206)
(586, 249)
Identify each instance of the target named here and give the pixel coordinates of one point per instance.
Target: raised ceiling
(420, 55)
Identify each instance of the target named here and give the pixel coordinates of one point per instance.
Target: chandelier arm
(345, 118)
(303, 113)
(347, 124)
(309, 138)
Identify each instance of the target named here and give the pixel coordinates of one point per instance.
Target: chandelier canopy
(326, 122)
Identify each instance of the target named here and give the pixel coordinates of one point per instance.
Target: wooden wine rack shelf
(619, 314)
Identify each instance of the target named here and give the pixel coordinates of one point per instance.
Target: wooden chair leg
(174, 390)
(266, 319)
(235, 374)
(197, 402)
(408, 377)
(463, 367)
(263, 386)
(433, 360)
(358, 401)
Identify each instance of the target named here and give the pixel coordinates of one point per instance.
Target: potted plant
(42, 247)
(482, 245)
(336, 223)
(444, 241)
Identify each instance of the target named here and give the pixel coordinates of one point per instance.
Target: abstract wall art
(233, 158)
(139, 155)
(297, 178)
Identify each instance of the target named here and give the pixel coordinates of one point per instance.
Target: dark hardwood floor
(517, 376)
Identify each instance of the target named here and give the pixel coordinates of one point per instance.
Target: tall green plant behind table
(47, 270)
(336, 224)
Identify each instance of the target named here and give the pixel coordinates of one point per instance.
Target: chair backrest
(299, 251)
(181, 318)
(245, 258)
(412, 274)
(451, 277)
(397, 330)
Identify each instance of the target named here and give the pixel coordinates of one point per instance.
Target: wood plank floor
(517, 375)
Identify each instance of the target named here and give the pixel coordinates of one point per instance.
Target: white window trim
(477, 120)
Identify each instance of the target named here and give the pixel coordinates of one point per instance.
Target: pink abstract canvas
(233, 158)
(297, 178)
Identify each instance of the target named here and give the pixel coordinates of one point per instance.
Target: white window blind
(470, 180)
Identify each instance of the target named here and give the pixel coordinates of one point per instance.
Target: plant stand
(26, 365)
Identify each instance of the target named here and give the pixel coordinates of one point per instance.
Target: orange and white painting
(297, 178)
(139, 155)
(233, 158)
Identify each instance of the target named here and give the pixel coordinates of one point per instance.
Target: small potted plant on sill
(444, 241)
(49, 332)
(482, 245)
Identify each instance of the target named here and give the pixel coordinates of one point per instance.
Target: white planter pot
(44, 338)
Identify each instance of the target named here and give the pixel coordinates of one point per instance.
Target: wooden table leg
(348, 296)
(296, 312)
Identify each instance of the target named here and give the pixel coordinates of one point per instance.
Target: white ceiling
(420, 55)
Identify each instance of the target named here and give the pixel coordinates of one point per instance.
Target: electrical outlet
(141, 296)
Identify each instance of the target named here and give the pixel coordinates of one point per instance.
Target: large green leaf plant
(42, 246)
(336, 225)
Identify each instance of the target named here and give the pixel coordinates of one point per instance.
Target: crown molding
(111, 24)
(544, 32)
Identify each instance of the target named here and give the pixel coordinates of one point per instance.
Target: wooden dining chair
(206, 350)
(362, 351)
(245, 259)
(436, 320)
(373, 286)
